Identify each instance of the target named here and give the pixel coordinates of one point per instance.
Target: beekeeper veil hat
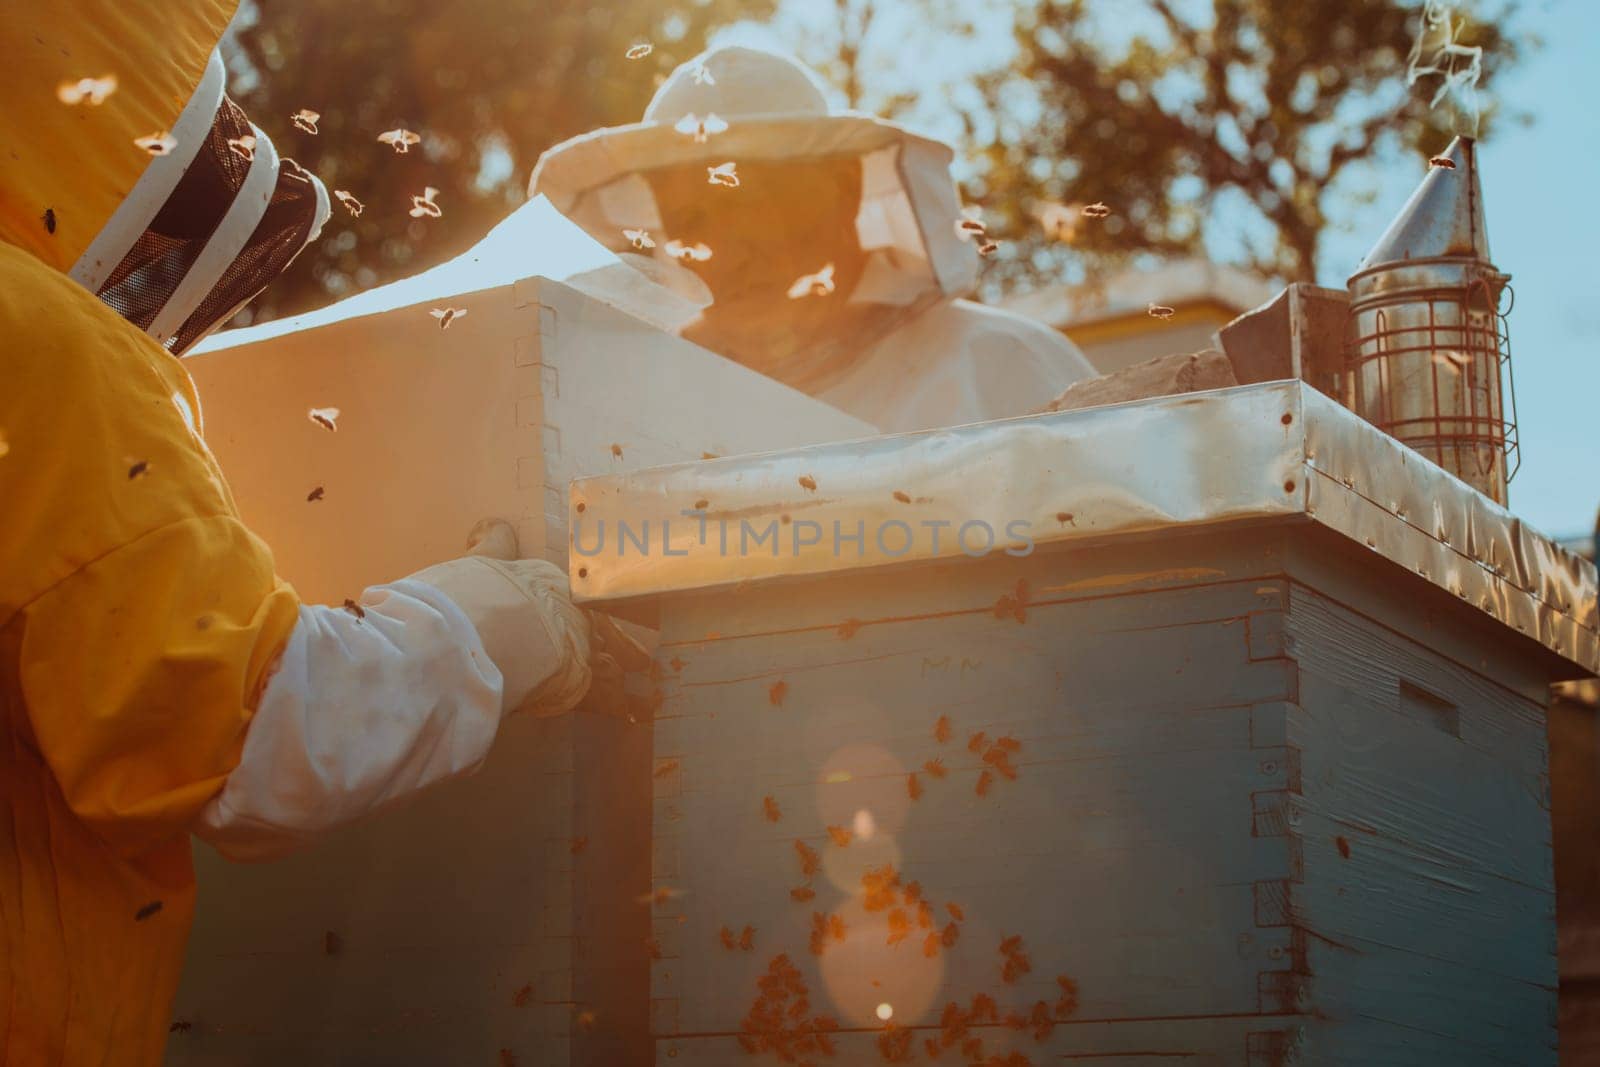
(126, 165)
(775, 112)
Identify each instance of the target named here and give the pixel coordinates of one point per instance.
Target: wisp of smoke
(1436, 52)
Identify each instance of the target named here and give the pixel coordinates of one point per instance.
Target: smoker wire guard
(1270, 451)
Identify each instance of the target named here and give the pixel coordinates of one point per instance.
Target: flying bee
(941, 730)
(702, 76)
(423, 206)
(747, 938)
(1096, 210)
(698, 252)
(49, 219)
(91, 91)
(157, 144)
(447, 315)
(984, 781)
(988, 248)
(351, 204)
(314, 496)
(818, 284)
(808, 483)
(400, 140)
(724, 174)
(770, 807)
(639, 238)
(776, 692)
(640, 50)
(305, 120)
(975, 742)
(698, 128)
(355, 609)
(327, 418)
(138, 469)
(1442, 162)
(243, 147)
(840, 835)
(725, 935)
(808, 858)
(1159, 311)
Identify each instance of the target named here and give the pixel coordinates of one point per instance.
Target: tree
(488, 86)
(1265, 104)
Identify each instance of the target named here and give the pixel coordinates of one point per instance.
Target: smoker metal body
(1429, 355)
(1279, 688)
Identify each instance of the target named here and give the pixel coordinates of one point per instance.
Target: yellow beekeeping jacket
(138, 616)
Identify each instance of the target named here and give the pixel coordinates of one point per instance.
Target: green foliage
(488, 84)
(1160, 109)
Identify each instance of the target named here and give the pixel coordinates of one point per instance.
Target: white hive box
(1277, 687)
(464, 923)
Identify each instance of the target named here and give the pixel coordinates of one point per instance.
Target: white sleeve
(361, 711)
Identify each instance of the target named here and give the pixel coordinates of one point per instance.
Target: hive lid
(1444, 216)
(1275, 451)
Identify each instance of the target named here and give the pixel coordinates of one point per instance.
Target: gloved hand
(549, 651)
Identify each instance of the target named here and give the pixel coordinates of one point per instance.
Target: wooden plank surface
(1242, 807)
(1140, 780)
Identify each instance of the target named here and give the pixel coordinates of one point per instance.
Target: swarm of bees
(780, 1020)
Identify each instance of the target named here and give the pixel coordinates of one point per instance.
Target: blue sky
(1539, 189)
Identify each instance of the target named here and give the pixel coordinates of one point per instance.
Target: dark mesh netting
(277, 239)
(147, 276)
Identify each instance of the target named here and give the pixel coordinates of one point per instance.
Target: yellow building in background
(1110, 320)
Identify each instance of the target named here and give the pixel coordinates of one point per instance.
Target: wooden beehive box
(1278, 692)
(499, 911)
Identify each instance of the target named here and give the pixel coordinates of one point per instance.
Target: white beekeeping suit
(835, 264)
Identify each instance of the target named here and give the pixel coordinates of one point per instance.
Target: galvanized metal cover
(1276, 451)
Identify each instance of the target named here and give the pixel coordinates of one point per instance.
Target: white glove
(524, 615)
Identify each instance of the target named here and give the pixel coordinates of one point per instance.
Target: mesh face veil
(207, 225)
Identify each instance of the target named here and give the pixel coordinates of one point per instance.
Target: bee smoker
(1427, 345)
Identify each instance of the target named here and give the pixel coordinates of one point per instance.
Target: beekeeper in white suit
(836, 263)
